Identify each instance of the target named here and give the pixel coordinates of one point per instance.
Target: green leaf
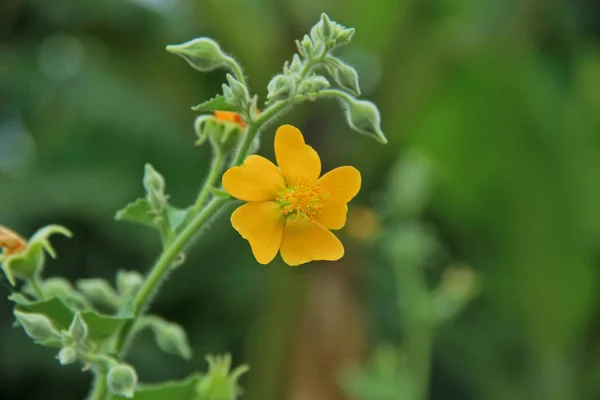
(217, 103)
(220, 193)
(172, 390)
(175, 217)
(55, 309)
(139, 212)
(100, 326)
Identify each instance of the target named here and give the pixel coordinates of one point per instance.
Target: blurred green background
(501, 97)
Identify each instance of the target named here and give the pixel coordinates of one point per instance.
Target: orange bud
(10, 241)
(229, 116)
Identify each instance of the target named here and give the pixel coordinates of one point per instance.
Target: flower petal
(295, 158)
(309, 241)
(261, 224)
(332, 215)
(341, 184)
(257, 179)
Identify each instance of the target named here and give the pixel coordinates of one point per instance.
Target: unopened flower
(230, 116)
(290, 209)
(10, 241)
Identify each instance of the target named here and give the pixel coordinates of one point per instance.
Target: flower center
(301, 200)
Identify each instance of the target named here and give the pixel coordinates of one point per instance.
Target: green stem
(254, 129)
(35, 285)
(311, 63)
(210, 181)
(336, 93)
(99, 389)
(163, 265)
(237, 70)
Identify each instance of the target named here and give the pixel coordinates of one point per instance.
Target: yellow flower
(290, 209)
(10, 241)
(229, 116)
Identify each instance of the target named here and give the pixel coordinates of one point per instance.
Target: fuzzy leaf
(217, 103)
(220, 193)
(175, 216)
(139, 212)
(100, 326)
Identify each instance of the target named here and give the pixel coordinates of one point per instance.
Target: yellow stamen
(301, 200)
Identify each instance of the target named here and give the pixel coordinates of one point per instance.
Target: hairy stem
(162, 266)
(35, 285)
(237, 70)
(99, 389)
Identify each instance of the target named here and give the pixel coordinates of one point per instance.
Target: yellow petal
(306, 241)
(261, 224)
(332, 215)
(257, 179)
(295, 158)
(341, 184)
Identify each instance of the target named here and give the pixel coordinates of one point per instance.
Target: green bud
(171, 338)
(67, 355)
(122, 380)
(99, 291)
(154, 183)
(219, 383)
(239, 90)
(296, 64)
(315, 34)
(344, 75)
(203, 54)
(343, 35)
(326, 27)
(37, 326)
(128, 283)
(78, 330)
(363, 116)
(153, 180)
(313, 84)
(305, 47)
(281, 87)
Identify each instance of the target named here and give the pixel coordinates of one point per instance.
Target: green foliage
(217, 103)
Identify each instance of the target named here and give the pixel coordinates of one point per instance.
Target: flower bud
(239, 91)
(326, 27)
(128, 283)
(99, 291)
(172, 339)
(363, 116)
(343, 35)
(203, 54)
(281, 87)
(219, 383)
(296, 64)
(122, 380)
(154, 183)
(305, 47)
(28, 262)
(67, 355)
(37, 326)
(344, 75)
(313, 84)
(78, 330)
